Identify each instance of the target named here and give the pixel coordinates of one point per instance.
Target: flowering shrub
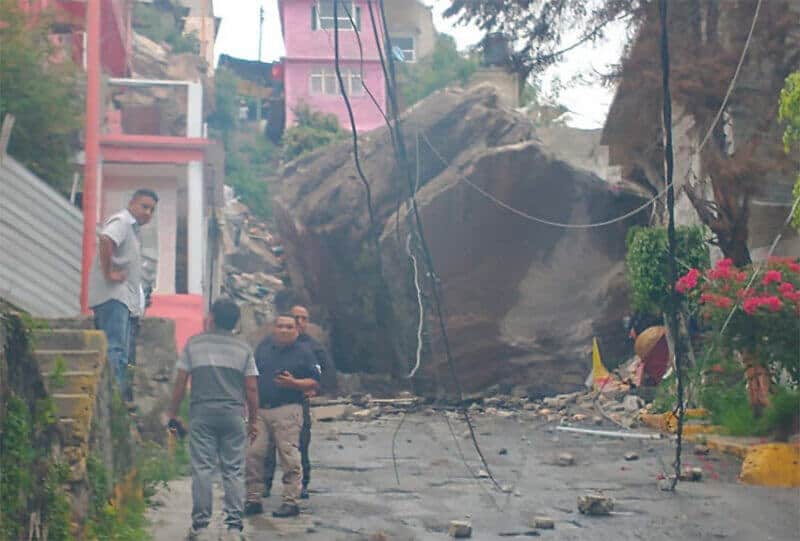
(765, 323)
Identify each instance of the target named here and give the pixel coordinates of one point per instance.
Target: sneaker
(286, 510)
(304, 493)
(253, 508)
(198, 534)
(267, 492)
(233, 534)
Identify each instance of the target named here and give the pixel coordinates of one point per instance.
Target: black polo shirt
(271, 360)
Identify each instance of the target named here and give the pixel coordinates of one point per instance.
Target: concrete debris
(631, 456)
(459, 529)
(483, 474)
(544, 523)
(595, 504)
(566, 459)
(701, 449)
(632, 403)
(503, 451)
(692, 474)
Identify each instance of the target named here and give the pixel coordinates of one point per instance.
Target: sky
(588, 103)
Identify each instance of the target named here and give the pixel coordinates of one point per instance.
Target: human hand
(252, 431)
(311, 393)
(285, 379)
(116, 276)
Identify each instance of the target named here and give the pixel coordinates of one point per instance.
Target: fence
(40, 244)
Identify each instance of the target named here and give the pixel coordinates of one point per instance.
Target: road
(355, 493)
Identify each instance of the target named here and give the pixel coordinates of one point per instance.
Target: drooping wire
(436, 293)
(674, 300)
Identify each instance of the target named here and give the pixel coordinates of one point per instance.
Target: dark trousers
(305, 441)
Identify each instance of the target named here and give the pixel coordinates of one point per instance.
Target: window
(323, 82)
(322, 15)
(406, 46)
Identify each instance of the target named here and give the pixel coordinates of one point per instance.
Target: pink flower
(740, 276)
(688, 281)
(773, 303)
(786, 287)
(772, 276)
(723, 302)
(720, 273)
(751, 305)
(794, 267)
(706, 297)
(745, 293)
(724, 263)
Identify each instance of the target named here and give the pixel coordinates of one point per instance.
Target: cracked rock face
(522, 300)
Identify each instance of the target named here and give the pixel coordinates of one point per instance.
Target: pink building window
(322, 15)
(323, 82)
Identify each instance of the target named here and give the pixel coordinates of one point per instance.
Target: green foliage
(441, 68)
(647, 263)
(157, 467)
(226, 104)
(311, 131)
(160, 22)
(41, 95)
(57, 375)
(664, 399)
(247, 168)
(57, 512)
(16, 459)
(789, 113)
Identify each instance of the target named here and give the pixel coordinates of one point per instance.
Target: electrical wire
(421, 316)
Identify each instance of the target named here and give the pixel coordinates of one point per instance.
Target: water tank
(495, 50)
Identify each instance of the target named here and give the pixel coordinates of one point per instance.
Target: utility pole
(260, 33)
(92, 142)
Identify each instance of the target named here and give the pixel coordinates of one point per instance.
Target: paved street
(355, 493)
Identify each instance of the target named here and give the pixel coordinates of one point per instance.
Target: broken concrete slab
(459, 529)
(595, 505)
(566, 459)
(544, 523)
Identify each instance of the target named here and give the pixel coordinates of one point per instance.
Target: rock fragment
(566, 459)
(544, 523)
(459, 529)
(595, 505)
(631, 456)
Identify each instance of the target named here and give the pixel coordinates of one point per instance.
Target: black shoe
(253, 508)
(267, 492)
(286, 510)
(304, 493)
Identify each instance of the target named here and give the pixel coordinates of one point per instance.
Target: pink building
(309, 67)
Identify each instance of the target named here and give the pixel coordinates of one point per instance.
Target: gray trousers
(217, 440)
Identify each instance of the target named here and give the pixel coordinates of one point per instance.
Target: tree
(312, 130)
(706, 42)
(444, 66)
(40, 93)
(789, 114)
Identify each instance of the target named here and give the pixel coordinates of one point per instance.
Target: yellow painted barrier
(772, 465)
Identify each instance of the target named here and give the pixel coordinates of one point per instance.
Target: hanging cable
(435, 291)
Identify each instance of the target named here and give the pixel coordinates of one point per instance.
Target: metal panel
(40, 244)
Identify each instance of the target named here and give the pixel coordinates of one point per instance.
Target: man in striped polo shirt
(224, 376)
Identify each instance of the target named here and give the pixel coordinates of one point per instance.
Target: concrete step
(87, 360)
(63, 339)
(72, 382)
(71, 323)
(75, 433)
(77, 406)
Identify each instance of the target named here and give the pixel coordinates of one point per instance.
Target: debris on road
(595, 504)
(459, 529)
(544, 523)
(566, 459)
(631, 456)
(692, 474)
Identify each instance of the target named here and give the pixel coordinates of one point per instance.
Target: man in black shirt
(287, 370)
(301, 316)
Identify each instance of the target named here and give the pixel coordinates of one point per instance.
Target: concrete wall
(298, 91)
(40, 244)
(411, 18)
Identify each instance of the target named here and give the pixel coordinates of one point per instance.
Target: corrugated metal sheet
(40, 244)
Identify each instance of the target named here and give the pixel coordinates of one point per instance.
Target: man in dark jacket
(323, 364)
(287, 371)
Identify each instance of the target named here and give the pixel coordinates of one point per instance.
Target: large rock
(522, 300)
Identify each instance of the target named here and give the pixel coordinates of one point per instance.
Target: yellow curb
(668, 422)
(772, 465)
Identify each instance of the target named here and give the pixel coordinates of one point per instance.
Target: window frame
(413, 47)
(344, 20)
(352, 80)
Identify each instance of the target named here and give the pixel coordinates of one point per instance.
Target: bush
(647, 264)
(441, 68)
(311, 131)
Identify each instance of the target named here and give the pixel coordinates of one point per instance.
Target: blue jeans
(114, 319)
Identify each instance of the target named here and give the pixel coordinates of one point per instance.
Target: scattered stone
(566, 459)
(362, 437)
(459, 529)
(701, 449)
(692, 474)
(483, 474)
(544, 412)
(530, 406)
(579, 417)
(503, 451)
(665, 483)
(632, 403)
(330, 413)
(595, 504)
(544, 523)
(597, 420)
(631, 456)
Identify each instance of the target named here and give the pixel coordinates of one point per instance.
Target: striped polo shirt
(218, 363)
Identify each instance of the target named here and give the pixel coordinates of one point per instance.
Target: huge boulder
(521, 299)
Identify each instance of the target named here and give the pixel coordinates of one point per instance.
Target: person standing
(287, 371)
(224, 377)
(116, 280)
(301, 316)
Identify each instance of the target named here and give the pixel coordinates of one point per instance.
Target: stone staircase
(77, 378)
